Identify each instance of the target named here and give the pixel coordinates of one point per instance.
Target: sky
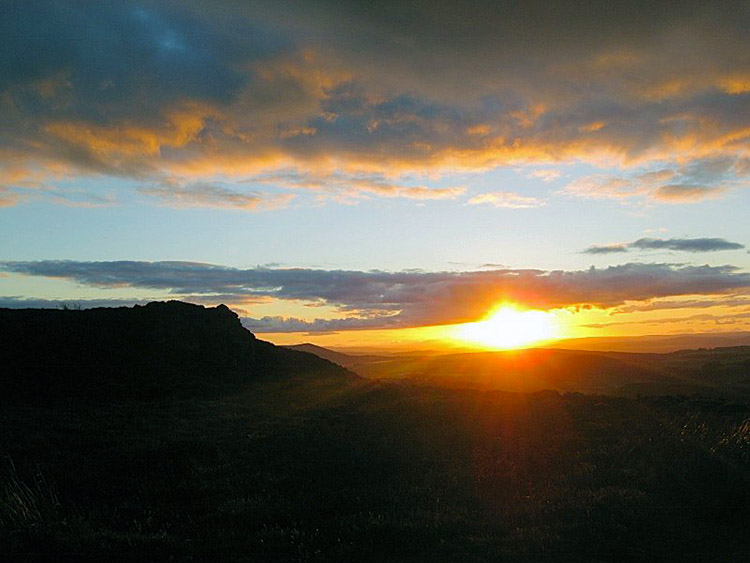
(380, 172)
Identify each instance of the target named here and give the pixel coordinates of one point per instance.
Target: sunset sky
(345, 173)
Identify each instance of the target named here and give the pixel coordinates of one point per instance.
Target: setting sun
(508, 327)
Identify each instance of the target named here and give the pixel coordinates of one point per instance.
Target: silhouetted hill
(305, 464)
(715, 371)
(331, 355)
(143, 351)
(346, 360)
(656, 344)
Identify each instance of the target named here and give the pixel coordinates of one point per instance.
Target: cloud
(677, 193)
(731, 301)
(687, 244)
(731, 319)
(70, 196)
(9, 198)
(602, 186)
(401, 299)
(76, 198)
(293, 324)
(612, 248)
(355, 185)
(159, 90)
(204, 195)
(506, 199)
(677, 244)
(545, 175)
(690, 183)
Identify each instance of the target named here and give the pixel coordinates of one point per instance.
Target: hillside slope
(144, 351)
(257, 453)
(718, 371)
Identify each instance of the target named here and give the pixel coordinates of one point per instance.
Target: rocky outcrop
(158, 349)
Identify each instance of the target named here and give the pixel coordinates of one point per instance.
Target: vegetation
(325, 466)
(718, 372)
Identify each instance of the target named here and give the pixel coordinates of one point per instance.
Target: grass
(24, 506)
(319, 468)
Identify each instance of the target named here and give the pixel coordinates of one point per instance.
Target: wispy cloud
(206, 195)
(339, 184)
(546, 175)
(675, 244)
(696, 181)
(294, 324)
(731, 319)
(666, 304)
(506, 199)
(9, 198)
(680, 193)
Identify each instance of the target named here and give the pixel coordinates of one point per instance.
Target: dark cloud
(614, 248)
(128, 73)
(318, 326)
(687, 244)
(390, 299)
(104, 60)
(161, 89)
(678, 244)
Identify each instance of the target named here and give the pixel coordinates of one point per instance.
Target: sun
(509, 327)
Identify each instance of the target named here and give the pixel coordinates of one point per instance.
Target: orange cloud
(353, 186)
(179, 127)
(8, 198)
(676, 193)
(735, 84)
(328, 91)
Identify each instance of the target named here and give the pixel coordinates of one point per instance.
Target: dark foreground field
(312, 469)
(329, 467)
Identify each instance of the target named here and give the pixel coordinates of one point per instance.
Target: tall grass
(26, 506)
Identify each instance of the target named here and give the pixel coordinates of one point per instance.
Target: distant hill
(144, 351)
(718, 371)
(346, 360)
(656, 343)
(330, 355)
(648, 344)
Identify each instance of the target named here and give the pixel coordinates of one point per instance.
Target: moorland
(169, 433)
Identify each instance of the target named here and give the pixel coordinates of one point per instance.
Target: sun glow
(508, 327)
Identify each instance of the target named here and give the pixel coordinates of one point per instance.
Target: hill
(718, 371)
(659, 344)
(330, 355)
(144, 351)
(258, 453)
